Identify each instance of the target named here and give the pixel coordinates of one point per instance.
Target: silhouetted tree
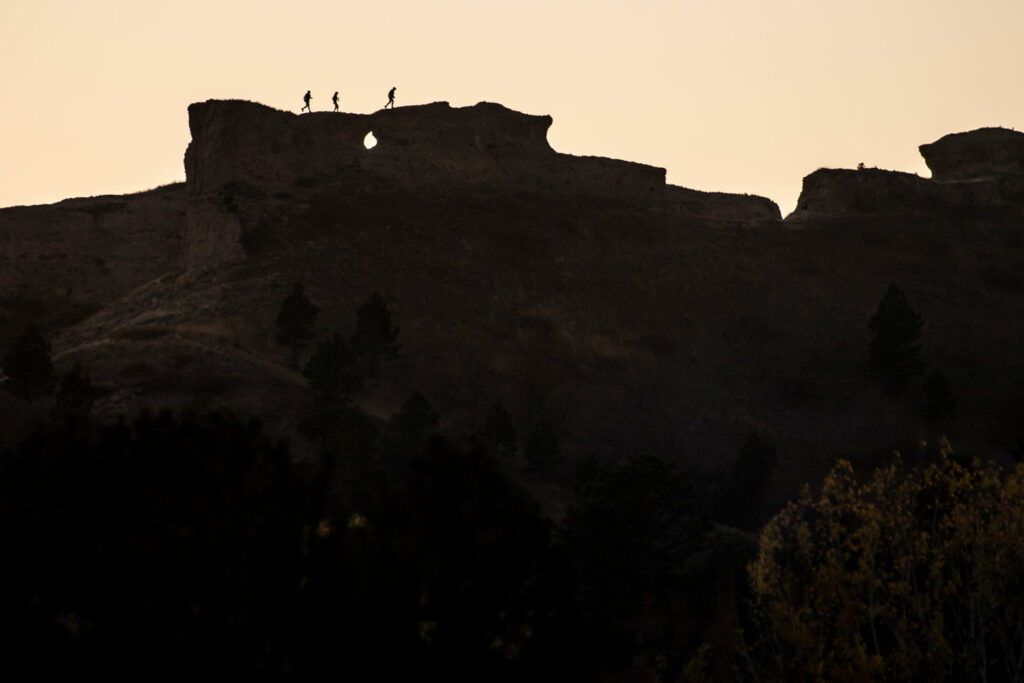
(416, 420)
(499, 434)
(642, 554)
(74, 396)
(406, 432)
(177, 543)
(939, 402)
(895, 352)
(296, 321)
(449, 574)
(374, 337)
(750, 477)
(632, 525)
(542, 449)
(333, 371)
(143, 550)
(28, 366)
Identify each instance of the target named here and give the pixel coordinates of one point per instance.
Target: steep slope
(61, 262)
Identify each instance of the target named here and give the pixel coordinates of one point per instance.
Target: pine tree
(332, 371)
(895, 352)
(296, 321)
(28, 366)
(374, 337)
(416, 420)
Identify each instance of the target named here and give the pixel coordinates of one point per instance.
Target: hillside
(581, 291)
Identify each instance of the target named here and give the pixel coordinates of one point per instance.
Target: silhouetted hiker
(335, 100)
(391, 98)
(306, 98)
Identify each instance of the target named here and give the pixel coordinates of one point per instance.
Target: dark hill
(579, 291)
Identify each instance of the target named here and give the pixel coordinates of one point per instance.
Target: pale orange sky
(727, 95)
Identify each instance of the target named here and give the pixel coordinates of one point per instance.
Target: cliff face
(976, 171)
(978, 154)
(243, 152)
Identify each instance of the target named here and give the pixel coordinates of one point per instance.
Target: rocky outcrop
(979, 154)
(427, 146)
(834, 193)
(979, 170)
(244, 155)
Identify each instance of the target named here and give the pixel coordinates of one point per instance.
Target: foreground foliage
(913, 575)
(183, 543)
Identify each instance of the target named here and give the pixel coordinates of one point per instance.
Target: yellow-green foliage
(906, 576)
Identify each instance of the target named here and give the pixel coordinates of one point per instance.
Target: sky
(744, 96)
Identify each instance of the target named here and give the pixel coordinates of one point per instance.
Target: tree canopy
(913, 575)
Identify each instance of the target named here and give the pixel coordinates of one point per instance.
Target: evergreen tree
(499, 434)
(296, 321)
(374, 337)
(75, 395)
(332, 371)
(416, 420)
(28, 366)
(895, 352)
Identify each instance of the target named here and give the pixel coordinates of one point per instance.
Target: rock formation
(978, 170)
(242, 150)
(984, 153)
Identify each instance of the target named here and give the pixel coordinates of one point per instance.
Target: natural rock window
(369, 141)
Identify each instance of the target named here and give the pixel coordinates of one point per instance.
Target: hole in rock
(369, 142)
